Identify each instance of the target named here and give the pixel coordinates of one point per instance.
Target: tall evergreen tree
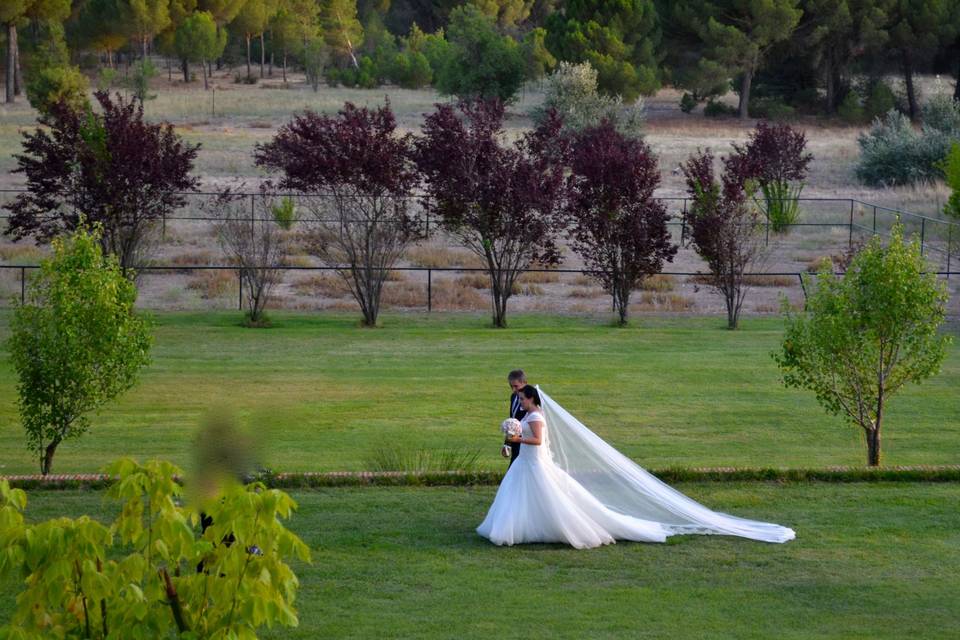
(738, 33)
(341, 28)
(619, 38)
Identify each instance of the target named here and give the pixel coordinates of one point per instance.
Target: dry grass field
(230, 120)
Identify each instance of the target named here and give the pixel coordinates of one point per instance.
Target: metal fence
(852, 218)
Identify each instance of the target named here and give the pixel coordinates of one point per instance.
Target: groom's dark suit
(517, 412)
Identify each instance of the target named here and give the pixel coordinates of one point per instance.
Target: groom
(518, 380)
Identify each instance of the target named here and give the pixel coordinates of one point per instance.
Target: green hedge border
(306, 480)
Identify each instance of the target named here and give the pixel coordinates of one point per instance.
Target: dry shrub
(192, 259)
(658, 282)
(324, 285)
(770, 281)
(538, 277)
(585, 293)
(448, 295)
(405, 294)
(395, 276)
(213, 283)
(430, 257)
(660, 301)
(260, 124)
(25, 253)
(753, 281)
(813, 266)
(765, 307)
(583, 280)
(298, 261)
(527, 289)
(474, 280)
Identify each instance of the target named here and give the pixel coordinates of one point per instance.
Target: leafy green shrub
(331, 76)
(76, 342)
(479, 62)
(284, 214)
(156, 571)
(687, 102)
(861, 337)
(951, 171)
(48, 85)
(879, 100)
(143, 72)
(410, 70)
(770, 108)
(717, 109)
(572, 90)
(850, 110)
(894, 153)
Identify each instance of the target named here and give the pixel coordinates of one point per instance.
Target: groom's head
(517, 380)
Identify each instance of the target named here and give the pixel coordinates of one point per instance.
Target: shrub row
(310, 479)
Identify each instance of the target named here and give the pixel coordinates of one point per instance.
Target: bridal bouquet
(511, 427)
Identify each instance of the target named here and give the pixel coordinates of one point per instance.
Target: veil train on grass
(624, 486)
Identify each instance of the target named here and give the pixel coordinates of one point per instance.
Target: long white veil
(624, 486)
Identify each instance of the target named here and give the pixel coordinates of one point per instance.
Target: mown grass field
(323, 394)
(869, 561)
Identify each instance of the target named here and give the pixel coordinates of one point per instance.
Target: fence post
(163, 226)
(429, 290)
(850, 239)
(802, 286)
(923, 228)
(949, 247)
(23, 284)
(874, 219)
(252, 214)
(683, 223)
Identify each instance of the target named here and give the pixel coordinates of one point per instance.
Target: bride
(567, 485)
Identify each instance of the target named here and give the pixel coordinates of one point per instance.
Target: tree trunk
(956, 86)
(11, 59)
(47, 462)
(143, 48)
(270, 68)
(186, 70)
(911, 90)
(263, 56)
(206, 86)
(17, 74)
(832, 81)
(248, 55)
(873, 435)
(745, 93)
(284, 67)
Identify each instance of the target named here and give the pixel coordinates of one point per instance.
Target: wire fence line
(429, 271)
(935, 235)
(929, 228)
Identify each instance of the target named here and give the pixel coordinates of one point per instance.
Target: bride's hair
(530, 391)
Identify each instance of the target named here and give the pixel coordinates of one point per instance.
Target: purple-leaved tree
(725, 228)
(357, 175)
(500, 201)
(616, 225)
(111, 167)
(775, 157)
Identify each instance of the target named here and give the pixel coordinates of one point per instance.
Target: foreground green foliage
(873, 560)
(863, 336)
(75, 343)
(225, 582)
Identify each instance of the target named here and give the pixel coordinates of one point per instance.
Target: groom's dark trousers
(517, 412)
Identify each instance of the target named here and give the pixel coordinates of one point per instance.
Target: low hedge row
(304, 480)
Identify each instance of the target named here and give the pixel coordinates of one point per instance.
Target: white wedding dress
(576, 489)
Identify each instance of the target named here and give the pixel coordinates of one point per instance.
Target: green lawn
(869, 561)
(324, 394)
